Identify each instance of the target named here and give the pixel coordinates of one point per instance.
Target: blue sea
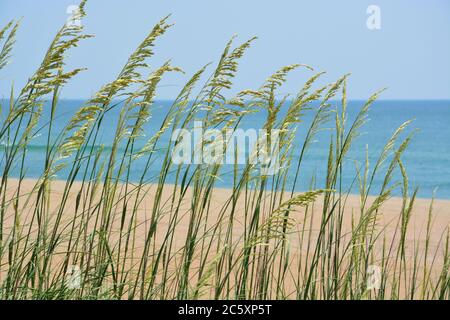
(427, 160)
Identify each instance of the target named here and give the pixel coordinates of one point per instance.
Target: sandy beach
(389, 212)
(306, 226)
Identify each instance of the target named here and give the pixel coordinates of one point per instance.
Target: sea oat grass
(155, 237)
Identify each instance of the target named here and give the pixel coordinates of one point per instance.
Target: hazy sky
(410, 54)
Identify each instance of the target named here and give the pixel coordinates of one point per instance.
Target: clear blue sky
(410, 54)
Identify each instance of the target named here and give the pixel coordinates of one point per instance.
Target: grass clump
(147, 238)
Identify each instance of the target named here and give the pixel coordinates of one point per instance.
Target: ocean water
(427, 160)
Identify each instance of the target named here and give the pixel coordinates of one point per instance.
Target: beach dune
(82, 214)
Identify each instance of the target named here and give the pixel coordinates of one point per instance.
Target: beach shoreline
(304, 222)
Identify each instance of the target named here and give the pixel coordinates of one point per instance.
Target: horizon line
(338, 100)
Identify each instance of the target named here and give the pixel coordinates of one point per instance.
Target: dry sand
(388, 218)
(389, 212)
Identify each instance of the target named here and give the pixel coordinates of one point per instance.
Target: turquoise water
(427, 160)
